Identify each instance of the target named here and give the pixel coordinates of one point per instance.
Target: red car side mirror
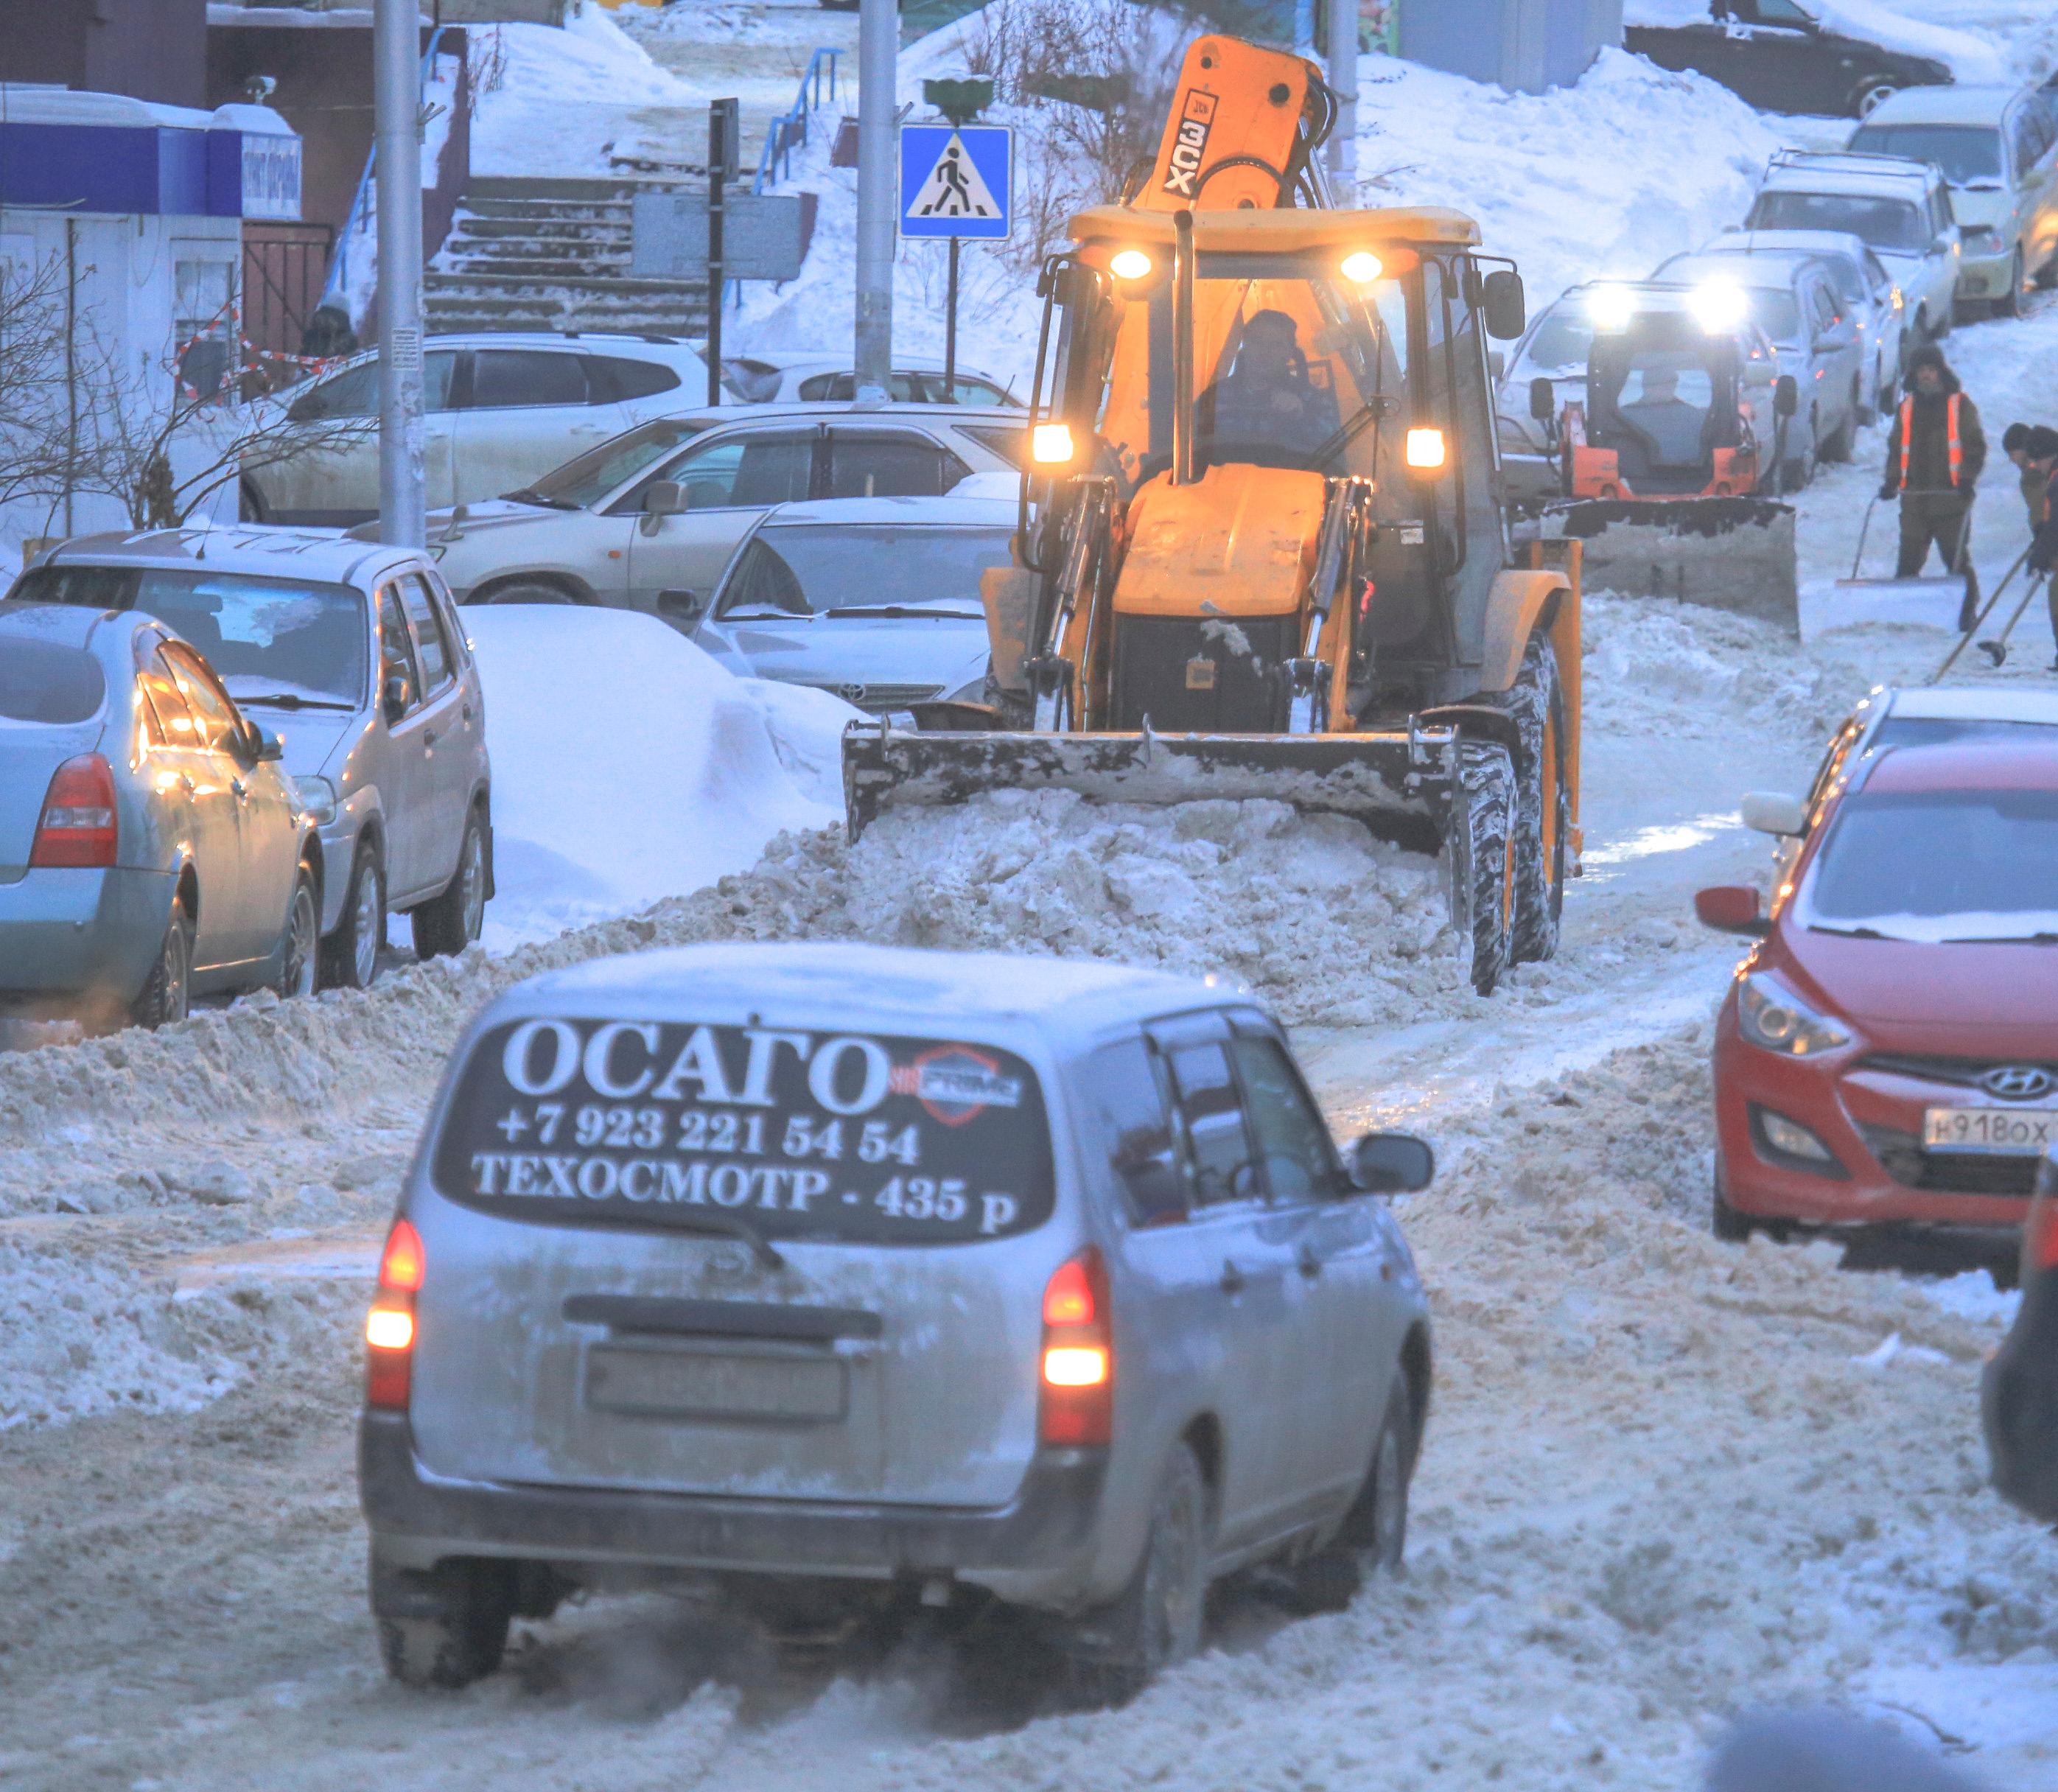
(1731, 908)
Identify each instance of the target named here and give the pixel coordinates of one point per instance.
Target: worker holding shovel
(1933, 457)
(2040, 459)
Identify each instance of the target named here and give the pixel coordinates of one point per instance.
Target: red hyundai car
(1888, 1055)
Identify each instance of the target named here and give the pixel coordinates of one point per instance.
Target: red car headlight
(1771, 1016)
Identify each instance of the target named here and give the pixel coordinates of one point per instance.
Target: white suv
(503, 409)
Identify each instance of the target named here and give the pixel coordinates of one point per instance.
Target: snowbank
(563, 97)
(1580, 183)
(629, 766)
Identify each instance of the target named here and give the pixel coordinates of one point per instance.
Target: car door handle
(1308, 1263)
(428, 736)
(467, 712)
(1232, 1279)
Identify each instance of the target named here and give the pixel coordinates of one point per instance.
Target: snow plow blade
(1726, 553)
(1398, 785)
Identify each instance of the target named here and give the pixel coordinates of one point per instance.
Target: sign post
(724, 151)
(957, 181)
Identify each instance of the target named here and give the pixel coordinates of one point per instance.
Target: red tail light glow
(389, 1327)
(2040, 1235)
(1077, 1360)
(77, 827)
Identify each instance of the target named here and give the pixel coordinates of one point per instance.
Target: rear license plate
(712, 1385)
(2012, 1131)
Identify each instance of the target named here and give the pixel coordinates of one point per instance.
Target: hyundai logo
(2018, 1082)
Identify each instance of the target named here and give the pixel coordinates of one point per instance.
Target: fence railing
(789, 130)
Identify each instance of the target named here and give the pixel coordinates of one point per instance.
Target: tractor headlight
(1129, 264)
(1772, 1018)
(1717, 307)
(1612, 307)
(1425, 451)
(1361, 267)
(1052, 445)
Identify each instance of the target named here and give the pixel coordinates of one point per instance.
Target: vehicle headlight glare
(1052, 445)
(317, 796)
(1129, 264)
(1361, 267)
(1772, 1018)
(1424, 450)
(1718, 307)
(1612, 307)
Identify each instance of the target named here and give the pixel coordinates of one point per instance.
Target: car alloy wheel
(473, 871)
(369, 923)
(302, 944)
(1871, 94)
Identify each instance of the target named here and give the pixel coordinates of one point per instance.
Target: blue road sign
(957, 181)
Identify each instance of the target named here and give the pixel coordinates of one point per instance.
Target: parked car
(502, 410)
(151, 846)
(1555, 347)
(849, 1280)
(648, 521)
(1778, 54)
(2019, 1388)
(357, 652)
(877, 600)
(1794, 299)
(1863, 284)
(1998, 148)
(773, 377)
(1901, 209)
(1888, 1055)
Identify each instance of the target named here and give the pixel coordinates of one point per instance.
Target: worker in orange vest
(1933, 457)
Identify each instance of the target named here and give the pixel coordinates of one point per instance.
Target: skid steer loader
(1672, 465)
(1263, 551)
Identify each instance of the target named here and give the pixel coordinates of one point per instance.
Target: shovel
(1979, 623)
(1997, 650)
(1936, 603)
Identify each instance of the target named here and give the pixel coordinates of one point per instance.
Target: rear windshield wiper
(528, 494)
(896, 611)
(728, 1225)
(286, 700)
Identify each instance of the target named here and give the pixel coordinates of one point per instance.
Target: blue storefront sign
(150, 169)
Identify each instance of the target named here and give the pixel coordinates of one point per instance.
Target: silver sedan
(151, 848)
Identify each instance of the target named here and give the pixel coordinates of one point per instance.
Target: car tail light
(2039, 1234)
(77, 827)
(389, 1327)
(1077, 1357)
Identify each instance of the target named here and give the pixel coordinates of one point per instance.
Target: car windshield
(1893, 225)
(1777, 314)
(811, 569)
(47, 682)
(1940, 865)
(267, 638)
(582, 482)
(1564, 340)
(1969, 155)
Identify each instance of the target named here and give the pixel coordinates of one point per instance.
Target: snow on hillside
(629, 766)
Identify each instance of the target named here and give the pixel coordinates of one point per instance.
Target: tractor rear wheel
(1535, 703)
(1480, 856)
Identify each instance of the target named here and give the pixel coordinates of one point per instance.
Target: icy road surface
(1664, 1478)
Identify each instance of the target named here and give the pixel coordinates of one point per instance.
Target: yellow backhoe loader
(1263, 551)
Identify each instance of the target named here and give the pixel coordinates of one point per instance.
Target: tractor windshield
(1662, 396)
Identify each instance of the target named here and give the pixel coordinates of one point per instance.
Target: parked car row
(156, 842)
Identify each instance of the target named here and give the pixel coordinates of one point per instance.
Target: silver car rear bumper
(1039, 1549)
(66, 933)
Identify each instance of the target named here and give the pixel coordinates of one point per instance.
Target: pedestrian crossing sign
(955, 180)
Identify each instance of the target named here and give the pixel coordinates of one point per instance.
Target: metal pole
(1183, 348)
(718, 114)
(878, 47)
(396, 58)
(950, 331)
(1342, 58)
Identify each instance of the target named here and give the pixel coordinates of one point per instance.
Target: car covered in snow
(151, 846)
(648, 520)
(876, 599)
(1888, 1055)
(850, 1281)
(773, 377)
(1864, 285)
(355, 654)
(1998, 150)
(1820, 340)
(1784, 55)
(1900, 207)
(2019, 1388)
(500, 409)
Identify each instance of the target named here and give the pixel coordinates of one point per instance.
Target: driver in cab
(1267, 397)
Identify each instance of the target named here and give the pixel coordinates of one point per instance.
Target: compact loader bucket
(1399, 785)
(1726, 553)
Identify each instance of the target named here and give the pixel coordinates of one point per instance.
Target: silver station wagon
(850, 1281)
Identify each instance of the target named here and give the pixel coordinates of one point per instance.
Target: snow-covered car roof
(1964, 703)
(1787, 242)
(875, 985)
(1945, 105)
(326, 556)
(1773, 272)
(1862, 176)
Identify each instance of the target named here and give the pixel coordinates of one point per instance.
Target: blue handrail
(791, 127)
(339, 266)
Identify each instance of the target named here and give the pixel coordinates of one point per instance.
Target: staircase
(553, 254)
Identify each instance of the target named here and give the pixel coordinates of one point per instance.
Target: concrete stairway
(552, 255)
